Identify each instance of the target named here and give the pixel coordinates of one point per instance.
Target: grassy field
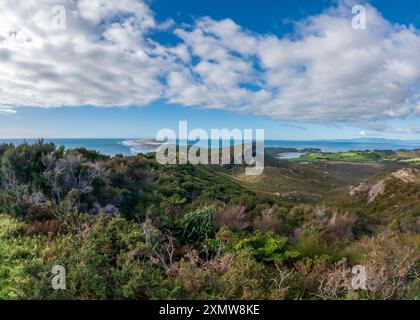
(411, 161)
(403, 156)
(352, 156)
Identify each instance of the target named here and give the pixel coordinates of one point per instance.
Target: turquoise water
(125, 147)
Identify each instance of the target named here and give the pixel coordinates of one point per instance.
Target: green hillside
(130, 228)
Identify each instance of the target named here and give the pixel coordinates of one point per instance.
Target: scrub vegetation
(130, 228)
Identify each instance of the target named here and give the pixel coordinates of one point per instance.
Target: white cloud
(348, 75)
(325, 72)
(102, 58)
(223, 75)
(6, 110)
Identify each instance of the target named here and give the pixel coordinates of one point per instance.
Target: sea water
(125, 146)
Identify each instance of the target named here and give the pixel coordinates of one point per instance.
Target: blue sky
(144, 122)
(267, 16)
(155, 100)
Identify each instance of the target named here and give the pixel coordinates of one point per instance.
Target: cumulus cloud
(327, 72)
(223, 74)
(334, 73)
(324, 72)
(103, 57)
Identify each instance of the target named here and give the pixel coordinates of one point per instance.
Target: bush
(414, 290)
(233, 217)
(246, 278)
(15, 201)
(44, 227)
(267, 247)
(198, 225)
(17, 255)
(340, 227)
(391, 265)
(108, 261)
(269, 221)
(313, 244)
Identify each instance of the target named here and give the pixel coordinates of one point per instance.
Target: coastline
(132, 146)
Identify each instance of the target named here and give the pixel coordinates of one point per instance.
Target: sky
(128, 68)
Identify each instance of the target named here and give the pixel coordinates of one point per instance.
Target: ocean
(128, 147)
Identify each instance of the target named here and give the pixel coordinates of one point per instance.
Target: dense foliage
(129, 228)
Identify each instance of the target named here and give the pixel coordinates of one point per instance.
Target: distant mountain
(382, 140)
(373, 140)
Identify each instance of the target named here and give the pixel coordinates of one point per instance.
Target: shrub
(44, 227)
(340, 226)
(391, 265)
(245, 279)
(198, 225)
(298, 214)
(17, 255)
(334, 226)
(269, 221)
(109, 261)
(267, 247)
(280, 281)
(313, 244)
(233, 217)
(414, 290)
(23, 164)
(15, 201)
(307, 276)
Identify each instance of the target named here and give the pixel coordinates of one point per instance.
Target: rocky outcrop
(360, 188)
(408, 175)
(374, 189)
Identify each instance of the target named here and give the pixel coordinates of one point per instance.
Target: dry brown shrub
(245, 278)
(340, 226)
(234, 217)
(191, 277)
(194, 272)
(390, 266)
(337, 226)
(280, 287)
(40, 212)
(267, 222)
(335, 282)
(44, 227)
(309, 273)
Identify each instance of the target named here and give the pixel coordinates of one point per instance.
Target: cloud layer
(325, 72)
(7, 110)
